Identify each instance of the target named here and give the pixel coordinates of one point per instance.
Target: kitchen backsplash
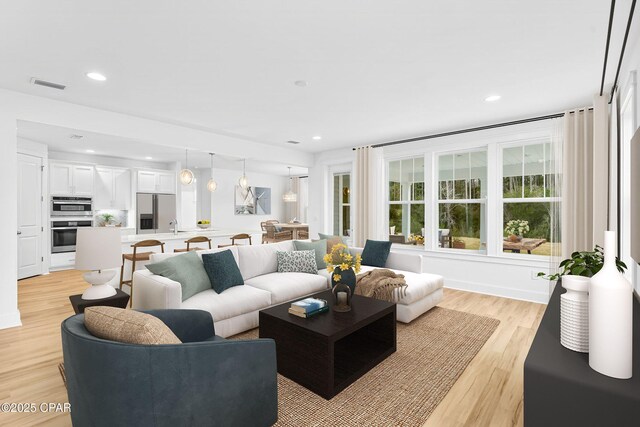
(118, 217)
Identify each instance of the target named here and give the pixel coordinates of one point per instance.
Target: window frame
(501, 200)
(341, 204)
(388, 202)
(433, 232)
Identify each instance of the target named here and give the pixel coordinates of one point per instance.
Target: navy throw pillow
(223, 271)
(376, 252)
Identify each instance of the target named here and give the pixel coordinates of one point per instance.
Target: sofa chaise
(236, 309)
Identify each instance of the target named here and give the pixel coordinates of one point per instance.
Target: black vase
(348, 277)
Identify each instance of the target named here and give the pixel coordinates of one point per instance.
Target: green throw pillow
(375, 253)
(319, 246)
(186, 269)
(223, 271)
(330, 236)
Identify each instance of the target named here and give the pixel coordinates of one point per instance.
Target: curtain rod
(474, 129)
(624, 46)
(606, 49)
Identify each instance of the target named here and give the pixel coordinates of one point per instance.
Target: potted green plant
(584, 263)
(107, 218)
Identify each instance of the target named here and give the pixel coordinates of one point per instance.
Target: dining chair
(197, 239)
(136, 257)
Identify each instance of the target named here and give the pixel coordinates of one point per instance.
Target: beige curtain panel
(369, 186)
(584, 183)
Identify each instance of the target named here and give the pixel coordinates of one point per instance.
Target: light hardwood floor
(489, 392)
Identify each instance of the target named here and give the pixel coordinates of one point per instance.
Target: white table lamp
(98, 249)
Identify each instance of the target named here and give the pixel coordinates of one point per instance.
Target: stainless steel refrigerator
(155, 212)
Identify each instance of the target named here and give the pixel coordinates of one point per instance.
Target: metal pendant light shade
(212, 184)
(186, 175)
(243, 182)
(290, 196)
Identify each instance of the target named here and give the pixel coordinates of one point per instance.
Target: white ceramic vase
(610, 317)
(574, 313)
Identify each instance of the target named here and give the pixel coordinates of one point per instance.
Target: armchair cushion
(127, 326)
(222, 270)
(186, 269)
(376, 252)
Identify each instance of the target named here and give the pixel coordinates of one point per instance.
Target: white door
(166, 182)
(30, 231)
(82, 180)
(147, 182)
(122, 189)
(103, 191)
(60, 179)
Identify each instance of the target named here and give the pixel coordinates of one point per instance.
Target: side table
(120, 300)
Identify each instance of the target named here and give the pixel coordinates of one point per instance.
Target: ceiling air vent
(76, 136)
(45, 83)
(293, 142)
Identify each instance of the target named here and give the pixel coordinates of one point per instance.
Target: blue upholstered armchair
(205, 381)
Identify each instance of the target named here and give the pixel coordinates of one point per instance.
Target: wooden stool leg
(122, 272)
(133, 270)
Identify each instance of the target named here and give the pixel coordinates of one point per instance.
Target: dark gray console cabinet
(560, 389)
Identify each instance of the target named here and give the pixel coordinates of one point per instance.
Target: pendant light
(186, 175)
(212, 184)
(290, 196)
(243, 182)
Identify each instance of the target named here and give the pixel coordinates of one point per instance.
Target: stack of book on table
(308, 307)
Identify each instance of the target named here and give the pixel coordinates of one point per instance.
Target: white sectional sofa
(236, 309)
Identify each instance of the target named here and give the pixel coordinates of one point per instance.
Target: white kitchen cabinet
(60, 179)
(67, 179)
(166, 182)
(156, 182)
(82, 180)
(112, 189)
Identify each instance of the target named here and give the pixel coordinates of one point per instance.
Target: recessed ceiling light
(148, 158)
(96, 76)
(300, 83)
(492, 98)
(317, 138)
(90, 151)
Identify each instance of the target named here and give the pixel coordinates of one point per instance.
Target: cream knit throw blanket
(381, 284)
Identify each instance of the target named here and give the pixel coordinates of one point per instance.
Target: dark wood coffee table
(328, 352)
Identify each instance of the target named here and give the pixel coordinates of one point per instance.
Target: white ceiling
(377, 70)
(58, 139)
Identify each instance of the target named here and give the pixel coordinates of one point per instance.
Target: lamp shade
(98, 248)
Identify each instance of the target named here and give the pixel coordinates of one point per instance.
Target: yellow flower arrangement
(339, 259)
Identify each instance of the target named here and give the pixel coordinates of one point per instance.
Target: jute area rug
(404, 389)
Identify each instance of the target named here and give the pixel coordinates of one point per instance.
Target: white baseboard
(498, 291)
(10, 320)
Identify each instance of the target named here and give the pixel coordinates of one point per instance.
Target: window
(529, 198)
(406, 201)
(462, 186)
(342, 204)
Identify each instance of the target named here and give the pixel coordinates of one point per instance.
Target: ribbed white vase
(574, 313)
(610, 317)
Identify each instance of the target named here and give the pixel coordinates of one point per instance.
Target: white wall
(631, 63)
(222, 212)
(16, 106)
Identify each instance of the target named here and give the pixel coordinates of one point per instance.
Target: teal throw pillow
(297, 262)
(376, 252)
(186, 269)
(319, 246)
(223, 271)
